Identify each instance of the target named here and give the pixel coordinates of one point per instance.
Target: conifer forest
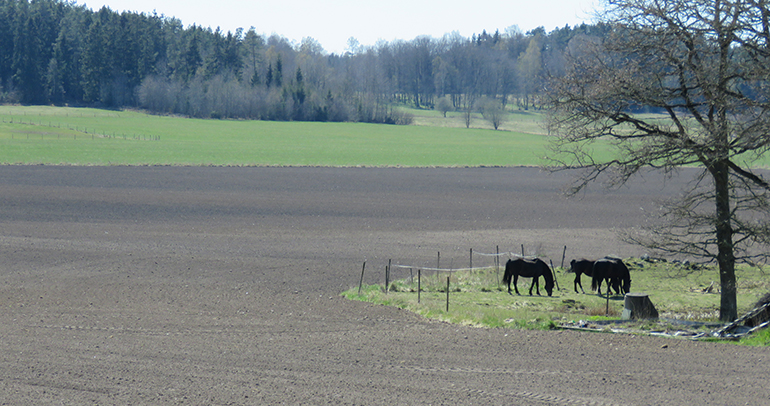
(57, 52)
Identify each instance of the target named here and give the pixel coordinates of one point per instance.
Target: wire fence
(438, 270)
(496, 256)
(79, 132)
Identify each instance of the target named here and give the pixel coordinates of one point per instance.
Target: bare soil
(219, 286)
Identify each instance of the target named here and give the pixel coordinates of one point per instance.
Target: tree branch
(748, 175)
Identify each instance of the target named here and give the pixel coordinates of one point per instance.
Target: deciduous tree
(705, 67)
(492, 110)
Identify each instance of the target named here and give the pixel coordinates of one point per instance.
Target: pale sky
(331, 23)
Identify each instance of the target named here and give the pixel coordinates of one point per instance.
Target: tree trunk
(728, 308)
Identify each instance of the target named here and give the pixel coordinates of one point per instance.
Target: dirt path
(220, 286)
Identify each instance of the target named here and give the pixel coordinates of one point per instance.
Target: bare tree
(493, 111)
(468, 104)
(444, 105)
(705, 66)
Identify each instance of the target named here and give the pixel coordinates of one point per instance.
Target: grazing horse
(611, 269)
(580, 267)
(528, 268)
(585, 267)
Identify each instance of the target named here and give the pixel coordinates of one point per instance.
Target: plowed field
(213, 286)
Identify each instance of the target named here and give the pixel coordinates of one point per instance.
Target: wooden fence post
(360, 283)
(553, 273)
(387, 280)
(447, 293)
(563, 254)
(419, 281)
(497, 265)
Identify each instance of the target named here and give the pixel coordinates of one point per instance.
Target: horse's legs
(535, 282)
(621, 287)
(516, 283)
(616, 285)
(577, 282)
(610, 286)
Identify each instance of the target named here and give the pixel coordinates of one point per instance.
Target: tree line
(58, 52)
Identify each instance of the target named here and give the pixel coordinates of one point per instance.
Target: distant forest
(58, 52)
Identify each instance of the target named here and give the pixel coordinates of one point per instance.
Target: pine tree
(278, 74)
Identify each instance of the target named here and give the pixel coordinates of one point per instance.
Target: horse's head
(549, 287)
(548, 276)
(624, 275)
(571, 267)
(627, 285)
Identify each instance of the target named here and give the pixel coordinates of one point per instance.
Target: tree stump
(638, 306)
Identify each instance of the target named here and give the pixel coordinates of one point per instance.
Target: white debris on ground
(755, 320)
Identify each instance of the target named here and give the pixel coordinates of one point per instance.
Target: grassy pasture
(57, 135)
(476, 299)
(530, 122)
(85, 136)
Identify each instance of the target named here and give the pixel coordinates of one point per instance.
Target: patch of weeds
(401, 286)
(753, 285)
(759, 339)
(647, 325)
(602, 311)
(368, 293)
(570, 306)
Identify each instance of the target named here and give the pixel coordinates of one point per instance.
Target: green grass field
(85, 136)
(78, 136)
(530, 122)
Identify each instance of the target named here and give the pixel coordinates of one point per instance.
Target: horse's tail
(595, 282)
(508, 272)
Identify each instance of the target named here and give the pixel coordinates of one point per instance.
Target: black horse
(580, 267)
(528, 268)
(612, 270)
(585, 267)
